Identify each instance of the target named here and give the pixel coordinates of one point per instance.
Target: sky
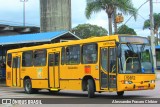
(11, 12)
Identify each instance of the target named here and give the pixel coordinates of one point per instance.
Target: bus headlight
(127, 82)
(152, 81)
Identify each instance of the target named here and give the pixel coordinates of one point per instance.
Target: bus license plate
(140, 87)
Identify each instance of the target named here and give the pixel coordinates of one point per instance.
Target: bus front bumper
(136, 86)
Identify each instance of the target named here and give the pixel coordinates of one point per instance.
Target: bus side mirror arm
(117, 44)
(118, 49)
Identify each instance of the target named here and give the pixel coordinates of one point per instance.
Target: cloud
(78, 15)
(11, 12)
(144, 33)
(10, 5)
(99, 19)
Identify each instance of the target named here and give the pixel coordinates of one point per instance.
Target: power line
(141, 16)
(136, 11)
(17, 23)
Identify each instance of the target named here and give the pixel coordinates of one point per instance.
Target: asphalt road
(78, 97)
(11, 92)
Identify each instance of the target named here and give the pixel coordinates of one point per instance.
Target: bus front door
(54, 59)
(104, 69)
(108, 69)
(16, 71)
(112, 69)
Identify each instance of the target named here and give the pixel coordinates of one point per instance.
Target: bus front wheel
(120, 93)
(90, 88)
(28, 86)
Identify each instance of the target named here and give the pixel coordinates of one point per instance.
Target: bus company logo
(6, 101)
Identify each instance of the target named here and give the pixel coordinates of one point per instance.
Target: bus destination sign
(133, 39)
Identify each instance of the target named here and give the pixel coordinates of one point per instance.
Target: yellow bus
(99, 64)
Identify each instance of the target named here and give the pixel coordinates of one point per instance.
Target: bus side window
(56, 59)
(9, 59)
(89, 53)
(27, 58)
(73, 54)
(40, 58)
(63, 56)
(50, 59)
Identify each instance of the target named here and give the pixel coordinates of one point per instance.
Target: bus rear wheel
(120, 93)
(90, 88)
(28, 86)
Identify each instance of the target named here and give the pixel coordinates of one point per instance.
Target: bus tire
(28, 86)
(90, 88)
(53, 92)
(120, 93)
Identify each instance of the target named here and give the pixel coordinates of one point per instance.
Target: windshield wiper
(130, 46)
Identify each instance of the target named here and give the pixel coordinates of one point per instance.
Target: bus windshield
(136, 58)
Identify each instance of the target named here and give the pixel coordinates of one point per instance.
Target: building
(26, 40)
(55, 15)
(6, 30)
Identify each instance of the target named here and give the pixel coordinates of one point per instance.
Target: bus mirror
(118, 49)
(119, 52)
(117, 44)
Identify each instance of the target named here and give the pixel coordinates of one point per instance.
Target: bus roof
(74, 42)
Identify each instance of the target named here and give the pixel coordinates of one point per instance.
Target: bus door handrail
(124, 67)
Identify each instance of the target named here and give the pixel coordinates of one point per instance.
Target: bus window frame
(45, 50)
(54, 59)
(96, 52)
(66, 62)
(32, 58)
(109, 59)
(9, 60)
(63, 61)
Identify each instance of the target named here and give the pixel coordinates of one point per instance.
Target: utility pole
(115, 23)
(152, 33)
(24, 1)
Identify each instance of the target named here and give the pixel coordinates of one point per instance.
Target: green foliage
(145, 57)
(126, 30)
(156, 17)
(124, 6)
(88, 30)
(156, 40)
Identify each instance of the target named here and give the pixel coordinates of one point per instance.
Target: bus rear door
(112, 69)
(16, 71)
(54, 59)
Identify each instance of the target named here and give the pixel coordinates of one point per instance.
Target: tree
(88, 30)
(156, 39)
(146, 25)
(95, 6)
(124, 29)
